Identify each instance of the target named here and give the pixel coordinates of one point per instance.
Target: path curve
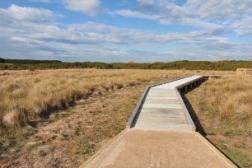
(161, 134)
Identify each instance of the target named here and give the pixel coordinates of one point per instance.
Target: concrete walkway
(163, 108)
(159, 149)
(163, 136)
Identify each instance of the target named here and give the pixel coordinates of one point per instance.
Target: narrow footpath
(161, 134)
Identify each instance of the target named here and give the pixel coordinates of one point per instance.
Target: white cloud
(243, 27)
(88, 7)
(136, 14)
(212, 15)
(33, 32)
(27, 14)
(146, 2)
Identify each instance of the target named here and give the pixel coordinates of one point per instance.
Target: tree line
(18, 64)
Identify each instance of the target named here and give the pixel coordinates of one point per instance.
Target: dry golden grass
(75, 137)
(27, 94)
(72, 139)
(224, 108)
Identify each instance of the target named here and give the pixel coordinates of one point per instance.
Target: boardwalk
(164, 109)
(161, 134)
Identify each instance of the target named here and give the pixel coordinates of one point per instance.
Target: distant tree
(2, 60)
(183, 64)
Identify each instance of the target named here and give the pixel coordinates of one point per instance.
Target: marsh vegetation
(27, 95)
(64, 116)
(224, 108)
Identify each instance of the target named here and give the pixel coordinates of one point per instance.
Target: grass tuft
(224, 108)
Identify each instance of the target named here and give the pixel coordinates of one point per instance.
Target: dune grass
(224, 108)
(27, 95)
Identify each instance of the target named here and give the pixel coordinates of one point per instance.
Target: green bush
(185, 64)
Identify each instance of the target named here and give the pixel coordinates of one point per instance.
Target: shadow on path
(189, 107)
(199, 127)
(194, 116)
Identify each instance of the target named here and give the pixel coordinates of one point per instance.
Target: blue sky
(126, 30)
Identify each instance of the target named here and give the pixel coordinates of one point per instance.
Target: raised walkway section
(161, 134)
(163, 108)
